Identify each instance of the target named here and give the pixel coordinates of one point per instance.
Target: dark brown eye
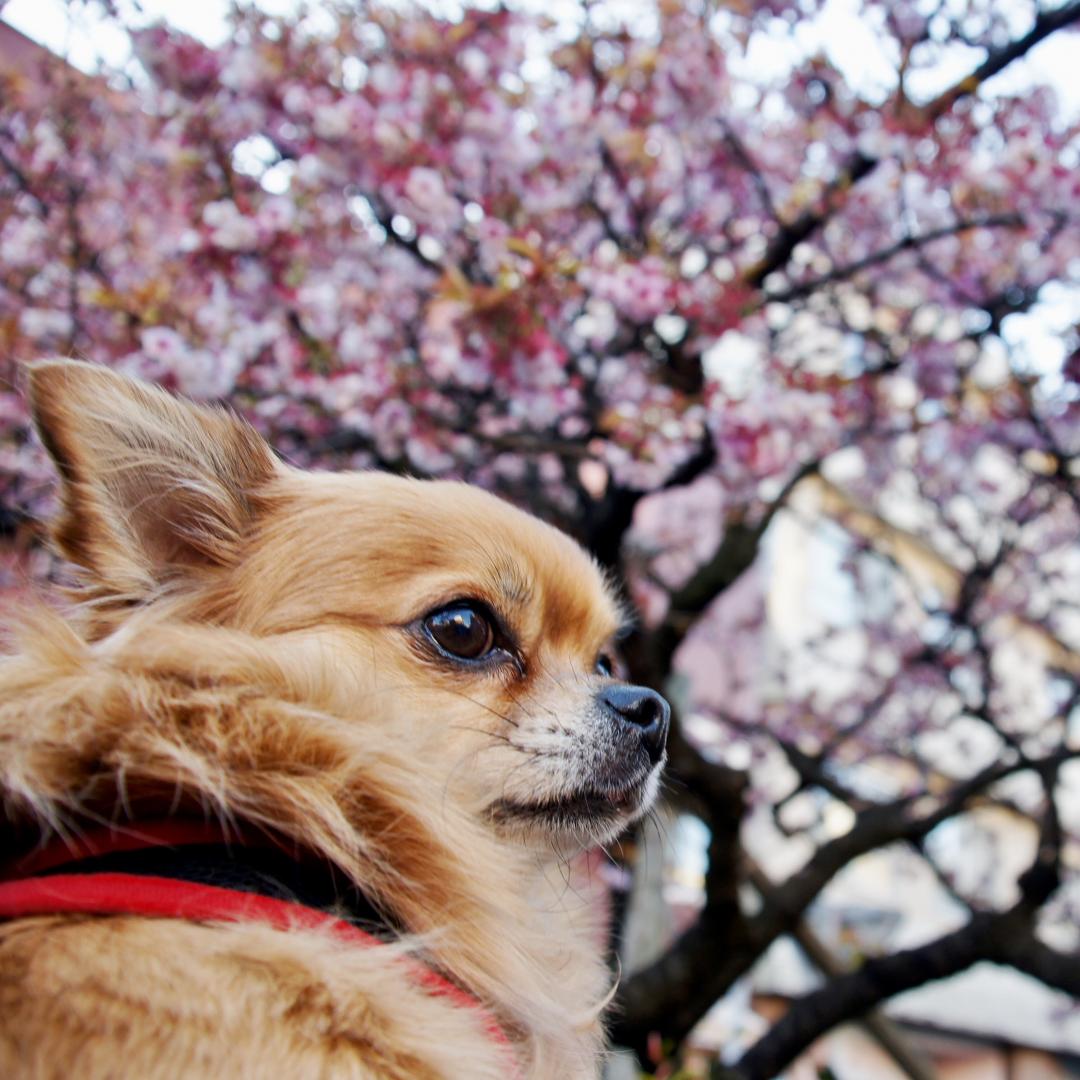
(605, 665)
(461, 631)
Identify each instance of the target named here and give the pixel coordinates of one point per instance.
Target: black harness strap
(266, 871)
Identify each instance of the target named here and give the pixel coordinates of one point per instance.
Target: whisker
(482, 705)
(489, 734)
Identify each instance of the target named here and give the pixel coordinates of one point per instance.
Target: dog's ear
(152, 487)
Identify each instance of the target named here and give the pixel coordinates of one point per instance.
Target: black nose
(646, 710)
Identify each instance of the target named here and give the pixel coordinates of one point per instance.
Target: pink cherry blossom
(679, 306)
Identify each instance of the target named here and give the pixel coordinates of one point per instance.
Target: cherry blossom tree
(603, 266)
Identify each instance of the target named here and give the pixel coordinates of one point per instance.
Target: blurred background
(775, 307)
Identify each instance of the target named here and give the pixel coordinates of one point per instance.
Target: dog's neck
(207, 853)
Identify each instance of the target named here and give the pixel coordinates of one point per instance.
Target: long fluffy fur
(92, 732)
(203, 674)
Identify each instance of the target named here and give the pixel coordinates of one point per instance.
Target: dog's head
(490, 632)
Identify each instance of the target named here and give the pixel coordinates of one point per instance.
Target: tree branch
(1046, 23)
(877, 979)
(668, 990)
(790, 236)
(877, 1025)
(908, 243)
(736, 552)
(860, 165)
(23, 184)
(909, 819)
(384, 215)
(674, 992)
(1058, 970)
(986, 936)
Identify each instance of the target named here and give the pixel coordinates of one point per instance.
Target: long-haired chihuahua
(284, 789)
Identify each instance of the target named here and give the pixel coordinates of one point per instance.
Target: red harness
(27, 887)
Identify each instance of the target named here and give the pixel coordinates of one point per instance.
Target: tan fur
(245, 647)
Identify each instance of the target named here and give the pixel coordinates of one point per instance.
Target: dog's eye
(605, 665)
(461, 631)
